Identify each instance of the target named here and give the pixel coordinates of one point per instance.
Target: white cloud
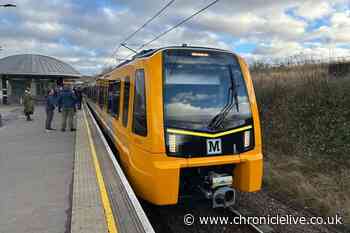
(341, 19)
(314, 9)
(279, 48)
(85, 35)
(337, 32)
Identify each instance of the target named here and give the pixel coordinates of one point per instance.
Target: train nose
(224, 197)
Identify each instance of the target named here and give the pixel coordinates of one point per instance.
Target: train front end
(211, 122)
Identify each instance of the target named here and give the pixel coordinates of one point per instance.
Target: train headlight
(172, 143)
(247, 138)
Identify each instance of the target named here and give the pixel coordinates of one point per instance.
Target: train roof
(150, 52)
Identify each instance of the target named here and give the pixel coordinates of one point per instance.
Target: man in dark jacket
(50, 107)
(66, 102)
(79, 95)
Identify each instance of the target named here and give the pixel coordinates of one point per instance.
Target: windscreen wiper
(218, 119)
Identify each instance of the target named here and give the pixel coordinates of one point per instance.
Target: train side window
(109, 98)
(139, 123)
(104, 97)
(115, 98)
(100, 96)
(105, 102)
(126, 101)
(94, 93)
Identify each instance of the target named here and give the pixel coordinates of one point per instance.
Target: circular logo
(188, 219)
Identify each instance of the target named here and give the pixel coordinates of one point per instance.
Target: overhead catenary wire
(175, 26)
(178, 24)
(143, 26)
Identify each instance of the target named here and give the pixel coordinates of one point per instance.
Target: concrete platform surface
(10, 113)
(6, 109)
(126, 209)
(36, 171)
(88, 215)
(100, 199)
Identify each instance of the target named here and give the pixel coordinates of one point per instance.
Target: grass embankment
(306, 133)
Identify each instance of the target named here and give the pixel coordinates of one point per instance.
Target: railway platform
(9, 112)
(63, 181)
(101, 191)
(36, 171)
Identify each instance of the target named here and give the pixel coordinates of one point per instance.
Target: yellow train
(185, 122)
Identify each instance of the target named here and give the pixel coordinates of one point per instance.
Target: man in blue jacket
(67, 103)
(50, 107)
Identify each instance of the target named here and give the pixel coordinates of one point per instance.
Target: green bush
(311, 118)
(305, 120)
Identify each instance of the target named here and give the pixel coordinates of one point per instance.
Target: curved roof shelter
(34, 65)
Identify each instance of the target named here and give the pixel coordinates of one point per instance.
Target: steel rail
(251, 225)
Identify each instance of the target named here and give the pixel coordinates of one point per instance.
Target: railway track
(173, 219)
(254, 227)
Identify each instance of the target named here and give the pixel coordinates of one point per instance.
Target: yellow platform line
(111, 224)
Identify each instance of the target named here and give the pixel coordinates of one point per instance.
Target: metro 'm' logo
(214, 146)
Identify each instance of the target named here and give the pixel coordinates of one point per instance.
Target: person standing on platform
(55, 92)
(66, 103)
(28, 103)
(50, 107)
(79, 96)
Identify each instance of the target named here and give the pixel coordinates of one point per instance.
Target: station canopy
(36, 66)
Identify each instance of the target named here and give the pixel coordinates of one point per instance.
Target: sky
(85, 33)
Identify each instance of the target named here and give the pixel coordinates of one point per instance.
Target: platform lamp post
(8, 5)
(2, 99)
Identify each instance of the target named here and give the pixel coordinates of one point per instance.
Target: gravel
(171, 218)
(263, 204)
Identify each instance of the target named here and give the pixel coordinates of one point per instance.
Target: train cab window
(115, 98)
(126, 101)
(139, 123)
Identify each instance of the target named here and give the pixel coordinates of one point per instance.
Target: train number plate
(221, 181)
